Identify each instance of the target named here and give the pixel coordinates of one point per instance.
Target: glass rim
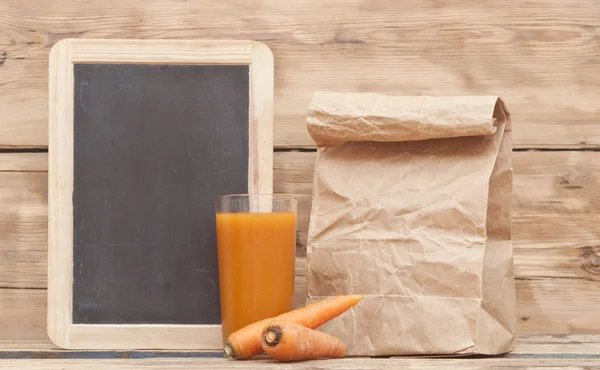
(274, 196)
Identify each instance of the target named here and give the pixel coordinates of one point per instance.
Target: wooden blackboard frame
(64, 55)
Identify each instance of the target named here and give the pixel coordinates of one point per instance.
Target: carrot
(286, 341)
(245, 343)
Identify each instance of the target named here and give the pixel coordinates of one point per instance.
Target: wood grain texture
(549, 305)
(41, 345)
(23, 317)
(161, 51)
(555, 231)
(60, 194)
(23, 227)
(553, 344)
(544, 306)
(532, 345)
(23, 162)
(23, 216)
(23, 314)
(556, 306)
(555, 209)
(144, 336)
(541, 56)
(262, 87)
(345, 364)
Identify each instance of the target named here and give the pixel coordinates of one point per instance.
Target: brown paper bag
(411, 208)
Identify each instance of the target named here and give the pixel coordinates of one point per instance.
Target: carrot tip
(228, 351)
(273, 336)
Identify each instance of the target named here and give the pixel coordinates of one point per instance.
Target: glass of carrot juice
(256, 242)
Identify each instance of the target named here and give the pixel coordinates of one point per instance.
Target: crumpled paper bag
(411, 208)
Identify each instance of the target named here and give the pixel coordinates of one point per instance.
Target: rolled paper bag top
(335, 118)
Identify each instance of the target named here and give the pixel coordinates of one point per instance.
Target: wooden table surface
(541, 56)
(558, 351)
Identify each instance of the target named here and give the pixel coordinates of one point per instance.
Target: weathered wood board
(557, 361)
(559, 351)
(23, 227)
(557, 250)
(541, 56)
(23, 314)
(539, 345)
(549, 305)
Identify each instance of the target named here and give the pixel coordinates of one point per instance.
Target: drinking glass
(256, 241)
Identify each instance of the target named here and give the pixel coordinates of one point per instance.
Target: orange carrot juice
(256, 266)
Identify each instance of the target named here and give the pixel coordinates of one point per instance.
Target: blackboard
(153, 147)
(144, 136)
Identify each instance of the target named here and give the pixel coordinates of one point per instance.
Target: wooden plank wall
(541, 56)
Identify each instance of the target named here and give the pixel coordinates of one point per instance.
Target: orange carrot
(245, 343)
(286, 341)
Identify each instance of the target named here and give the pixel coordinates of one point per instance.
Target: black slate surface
(154, 146)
